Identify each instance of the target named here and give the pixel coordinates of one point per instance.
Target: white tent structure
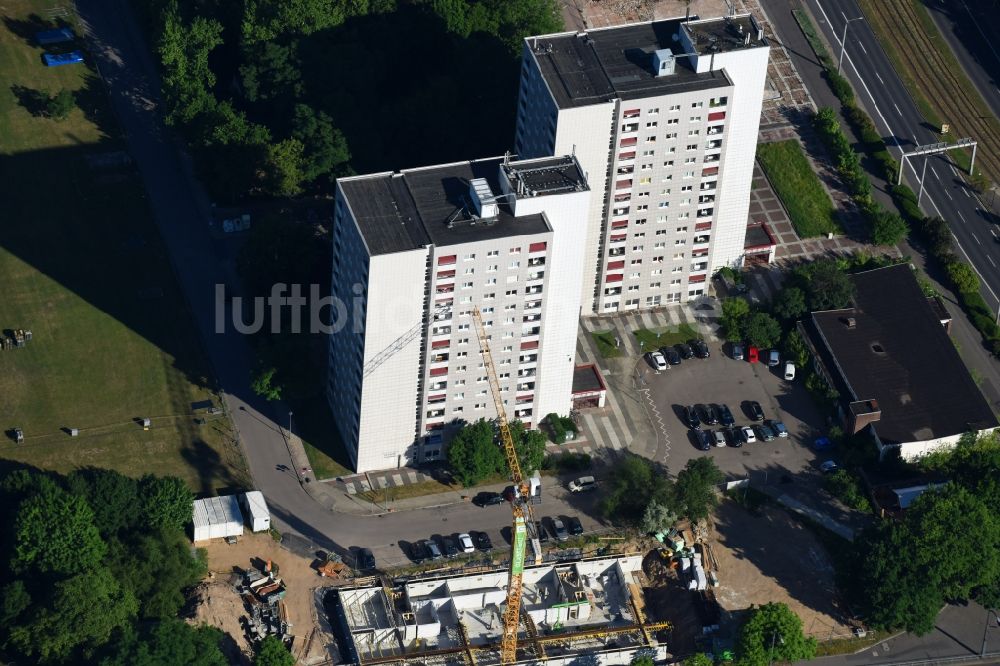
(256, 510)
(217, 518)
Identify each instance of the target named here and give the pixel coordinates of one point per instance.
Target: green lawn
(654, 338)
(83, 267)
(800, 190)
(605, 341)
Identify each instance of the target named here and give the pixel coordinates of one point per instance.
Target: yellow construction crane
(518, 505)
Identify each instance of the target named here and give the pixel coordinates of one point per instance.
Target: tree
(657, 517)
(157, 567)
(272, 652)
(699, 659)
(963, 277)
(473, 453)
(642, 660)
(762, 330)
(80, 612)
(695, 488)
(283, 168)
(263, 383)
(59, 105)
(166, 502)
(828, 287)
(112, 496)
(734, 315)
(888, 228)
(55, 533)
(773, 633)
(629, 488)
(326, 151)
(272, 72)
(796, 350)
(170, 641)
(530, 447)
(790, 304)
(187, 77)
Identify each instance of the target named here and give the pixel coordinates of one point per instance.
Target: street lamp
(289, 423)
(843, 42)
(989, 611)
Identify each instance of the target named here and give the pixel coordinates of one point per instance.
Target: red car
(753, 354)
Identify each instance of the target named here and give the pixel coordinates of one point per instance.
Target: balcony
(439, 358)
(531, 318)
(536, 275)
(626, 170)
(532, 305)
(710, 171)
(537, 261)
(527, 332)
(706, 198)
(527, 358)
(445, 289)
(708, 186)
(630, 113)
(444, 275)
(702, 226)
(707, 212)
(436, 399)
(612, 291)
(619, 211)
(616, 251)
(528, 386)
(521, 413)
(441, 330)
(623, 184)
(716, 115)
(701, 240)
(527, 372)
(532, 290)
(439, 386)
(700, 266)
(629, 142)
(712, 145)
(628, 155)
(694, 279)
(715, 130)
(714, 157)
(434, 413)
(630, 127)
(623, 198)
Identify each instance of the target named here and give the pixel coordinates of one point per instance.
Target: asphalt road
(882, 92)
(182, 213)
(972, 31)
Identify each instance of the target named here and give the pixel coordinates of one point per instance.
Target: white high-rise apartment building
(414, 252)
(663, 118)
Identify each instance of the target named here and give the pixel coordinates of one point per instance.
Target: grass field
(606, 344)
(83, 267)
(654, 338)
(800, 190)
(935, 79)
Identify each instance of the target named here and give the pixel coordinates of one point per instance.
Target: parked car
(749, 436)
(720, 438)
(726, 416)
(765, 433)
(487, 499)
(704, 439)
(365, 560)
(465, 543)
(655, 359)
(828, 467)
(700, 348)
(753, 354)
(754, 411)
(708, 415)
(581, 484)
(574, 526)
(433, 549)
(739, 438)
(540, 530)
(684, 350)
(559, 530)
(789, 371)
(483, 542)
(420, 552)
(778, 427)
(773, 358)
(449, 547)
(736, 351)
(672, 355)
(691, 417)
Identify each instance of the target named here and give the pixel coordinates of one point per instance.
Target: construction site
(593, 607)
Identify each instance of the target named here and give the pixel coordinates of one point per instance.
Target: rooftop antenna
(732, 8)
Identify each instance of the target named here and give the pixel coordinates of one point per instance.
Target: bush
(841, 87)
(568, 461)
(962, 277)
(888, 228)
(59, 105)
(847, 488)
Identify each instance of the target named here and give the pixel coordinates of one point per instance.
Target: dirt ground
(770, 557)
(221, 607)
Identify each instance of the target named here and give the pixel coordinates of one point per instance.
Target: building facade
(663, 118)
(414, 253)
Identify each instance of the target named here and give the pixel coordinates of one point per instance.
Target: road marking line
(991, 261)
(949, 194)
(879, 78)
(993, 231)
(966, 192)
(960, 215)
(897, 110)
(976, 238)
(935, 173)
(863, 48)
(953, 169)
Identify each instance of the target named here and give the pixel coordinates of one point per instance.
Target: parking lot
(721, 380)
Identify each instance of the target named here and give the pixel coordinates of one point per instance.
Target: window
(663, 204)
(673, 121)
(694, 132)
(641, 234)
(688, 174)
(660, 219)
(492, 268)
(670, 136)
(665, 191)
(493, 253)
(675, 107)
(515, 250)
(642, 195)
(687, 188)
(511, 292)
(634, 276)
(514, 265)
(652, 112)
(656, 271)
(654, 285)
(683, 216)
(645, 181)
(468, 257)
(648, 153)
(678, 256)
(659, 246)
(668, 163)
(461, 354)
(692, 146)
(633, 287)
(489, 297)
(651, 138)
(677, 269)
(635, 262)
(463, 341)
(458, 396)
(667, 178)
(466, 285)
(694, 119)
(675, 281)
(637, 248)
(465, 299)
(682, 230)
(463, 327)
(469, 271)
(646, 167)
(686, 202)
(697, 105)
(661, 232)
(690, 160)
(641, 220)
(652, 123)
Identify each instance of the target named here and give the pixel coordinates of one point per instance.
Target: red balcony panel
(433, 426)
(623, 184)
(537, 247)
(437, 397)
(445, 274)
(439, 372)
(531, 344)
(447, 260)
(619, 224)
(630, 113)
(716, 115)
(440, 344)
(629, 142)
(615, 277)
(696, 278)
(710, 171)
(630, 155)
(703, 226)
(616, 265)
(617, 238)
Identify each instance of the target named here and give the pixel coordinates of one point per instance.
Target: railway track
(937, 79)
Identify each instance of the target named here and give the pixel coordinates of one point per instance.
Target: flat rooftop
(758, 236)
(723, 34)
(891, 347)
(397, 212)
(607, 63)
(586, 379)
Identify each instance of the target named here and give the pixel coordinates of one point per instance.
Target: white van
(789, 370)
(581, 484)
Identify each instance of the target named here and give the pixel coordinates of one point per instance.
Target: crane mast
(511, 614)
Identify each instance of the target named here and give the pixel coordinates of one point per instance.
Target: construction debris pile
(15, 339)
(687, 552)
(263, 593)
